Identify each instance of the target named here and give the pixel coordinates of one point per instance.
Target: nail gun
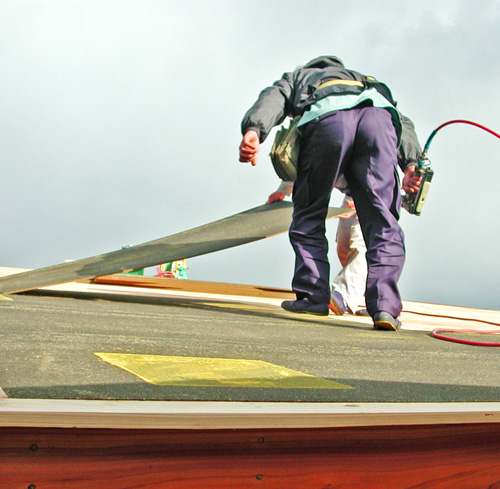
(414, 203)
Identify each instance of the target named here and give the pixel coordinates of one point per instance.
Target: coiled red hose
(436, 333)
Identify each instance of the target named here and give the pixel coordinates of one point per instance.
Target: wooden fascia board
(185, 415)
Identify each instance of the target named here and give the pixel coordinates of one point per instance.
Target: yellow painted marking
(4, 298)
(214, 372)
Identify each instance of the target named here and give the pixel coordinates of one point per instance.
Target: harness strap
(329, 83)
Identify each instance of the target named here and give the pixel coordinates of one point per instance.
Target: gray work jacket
(296, 91)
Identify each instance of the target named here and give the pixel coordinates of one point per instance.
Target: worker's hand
(349, 204)
(275, 197)
(249, 147)
(411, 182)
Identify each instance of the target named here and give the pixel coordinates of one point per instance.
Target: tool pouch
(285, 151)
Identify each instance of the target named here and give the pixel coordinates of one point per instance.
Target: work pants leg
(325, 146)
(373, 182)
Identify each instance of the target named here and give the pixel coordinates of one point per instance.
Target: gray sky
(120, 123)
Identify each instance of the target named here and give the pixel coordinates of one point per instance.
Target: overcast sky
(120, 124)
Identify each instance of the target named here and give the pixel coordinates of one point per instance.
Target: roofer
(350, 126)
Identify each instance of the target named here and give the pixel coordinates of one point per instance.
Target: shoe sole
(386, 326)
(314, 313)
(308, 312)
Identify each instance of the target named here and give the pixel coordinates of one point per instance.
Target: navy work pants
(361, 143)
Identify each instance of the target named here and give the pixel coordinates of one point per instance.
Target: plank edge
(187, 415)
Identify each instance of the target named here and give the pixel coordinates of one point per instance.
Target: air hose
(456, 121)
(437, 333)
(424, 162)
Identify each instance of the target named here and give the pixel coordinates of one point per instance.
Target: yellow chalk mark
(214, 372)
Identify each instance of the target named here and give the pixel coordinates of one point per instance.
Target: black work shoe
(305, 306)
(383, 320)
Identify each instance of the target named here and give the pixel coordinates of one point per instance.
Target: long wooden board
(230, 415)
(195, 286)
(246, 227)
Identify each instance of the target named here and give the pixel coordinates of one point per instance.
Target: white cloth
(350, 282)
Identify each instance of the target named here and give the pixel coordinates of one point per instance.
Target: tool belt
(285, 151)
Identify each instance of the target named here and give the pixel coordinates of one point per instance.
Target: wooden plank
(441, 457)
(60, 413)
(246, 227)
(195, 286)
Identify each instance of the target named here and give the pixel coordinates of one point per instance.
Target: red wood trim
(437, 456)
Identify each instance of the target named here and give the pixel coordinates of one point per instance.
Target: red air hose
(468, 122)
(456, 121)
(436, 333)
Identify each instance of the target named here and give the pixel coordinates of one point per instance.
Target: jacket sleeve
(409, 150)
(285, 188)
(270, 109)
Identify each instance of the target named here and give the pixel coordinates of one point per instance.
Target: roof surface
(167, 339)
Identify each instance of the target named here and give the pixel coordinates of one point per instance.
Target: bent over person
(349, 125)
